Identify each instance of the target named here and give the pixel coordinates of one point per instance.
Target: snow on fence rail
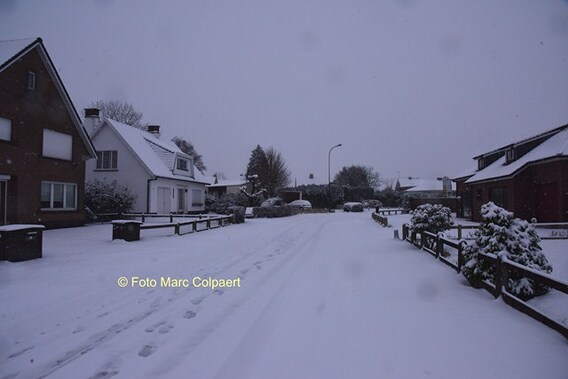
(557, 230)
(129, 230)
(503, 267)
(394, 211)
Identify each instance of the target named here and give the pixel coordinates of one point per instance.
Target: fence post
(422, 240)
(171, 217)
(143, 218)
(208, 223)
(404, 232)
(459, 232)
(460, 256)
(439, 247)
(176, 228)
(194, 226)
(498, 276)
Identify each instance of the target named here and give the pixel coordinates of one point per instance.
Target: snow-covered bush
(229, 200)
(277, 211)
(434, 218)
(239, 213)
(273, 202)
(502, 234)
(103, 197)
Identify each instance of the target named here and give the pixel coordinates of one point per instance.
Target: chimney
(92, 120)
(154, 130)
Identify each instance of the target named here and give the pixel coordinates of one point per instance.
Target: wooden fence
(381, 219)
(502, 267)
(129, 230)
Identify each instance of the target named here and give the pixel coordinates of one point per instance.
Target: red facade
(539, 190)
(23, 164)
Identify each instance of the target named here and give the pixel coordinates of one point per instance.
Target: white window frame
(511, 155)
(185, 161)
(31, 81)
(112, 162)
(6, 126)
(51, 200)
(56, 137)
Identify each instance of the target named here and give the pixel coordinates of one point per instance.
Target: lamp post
(329, 176)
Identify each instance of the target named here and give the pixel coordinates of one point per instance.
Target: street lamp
(329, 176)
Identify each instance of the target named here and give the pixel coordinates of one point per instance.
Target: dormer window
(31, 81)
(511, 155)
(181, 164)
(481, 163)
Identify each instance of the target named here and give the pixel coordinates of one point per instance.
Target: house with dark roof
(528, 177)
(163, 178)
(43, 146)
(224, 186)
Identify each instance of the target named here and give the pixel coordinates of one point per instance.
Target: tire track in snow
(281, 237)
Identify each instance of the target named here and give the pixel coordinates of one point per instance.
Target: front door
(547, 203)
(164, 195)
(181, 195)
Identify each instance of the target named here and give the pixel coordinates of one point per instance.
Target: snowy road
(321, 296)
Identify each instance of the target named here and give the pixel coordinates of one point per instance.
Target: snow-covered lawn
(324, 296)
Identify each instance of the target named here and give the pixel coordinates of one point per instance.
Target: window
(58, 196)
(31, 81)
(107, 160)
(511, 155)
(498, 195)
(197, 198)
(5, 129)
(57, 145)
(480, 163)
(182, 164)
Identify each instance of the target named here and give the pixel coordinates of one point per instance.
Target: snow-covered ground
(321, 295)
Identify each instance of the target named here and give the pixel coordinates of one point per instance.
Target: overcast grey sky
(411, 86)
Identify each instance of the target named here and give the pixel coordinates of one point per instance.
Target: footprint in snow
(147, 350)
(243, 272)
(259, 267)
(78, 329)
(102, 315)
(189, 314)
(18, 353)
(197, 300)
(257, 262)
(151, 328)
(11, 376)
(165, 329)
(105, 374)
(218, 292)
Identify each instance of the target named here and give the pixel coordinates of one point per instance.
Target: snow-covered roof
(422, 185)
(228, 183)
(555, 146)
(470, 171)
(10, 48)
(157, 155)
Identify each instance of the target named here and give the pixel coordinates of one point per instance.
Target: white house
(163, 178)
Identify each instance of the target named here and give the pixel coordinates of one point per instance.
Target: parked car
(273, 202)
(353, 206)
(301, 204)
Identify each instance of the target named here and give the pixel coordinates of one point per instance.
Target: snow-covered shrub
(277, 211)
(239, 213)
(357, 207)
(502, 234)
(229, 200)
(273, 202)
(434, 218)
(102, 197)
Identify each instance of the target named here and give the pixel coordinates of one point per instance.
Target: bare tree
(187, 147)
(120, 111)
(276, 173)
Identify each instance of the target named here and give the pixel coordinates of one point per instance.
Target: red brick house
(43, 146)
(529, 178)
